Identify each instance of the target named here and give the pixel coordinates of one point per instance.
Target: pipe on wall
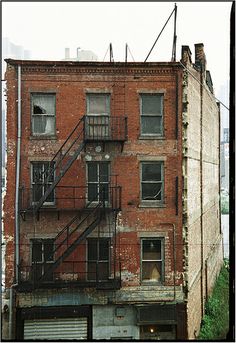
(17, 177)
(17, 225)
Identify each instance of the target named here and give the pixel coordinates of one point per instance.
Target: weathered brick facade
(186, 221)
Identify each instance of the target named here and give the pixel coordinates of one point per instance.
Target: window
(152, 260)
(42, 177)
(98, 112)
(151, 114)
(152, 182)
(98, 181)
(43, 114)
(98, 259)
(42, 258)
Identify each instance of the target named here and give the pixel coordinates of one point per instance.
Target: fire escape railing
(70, 198)
(105, 128)
(66, 241)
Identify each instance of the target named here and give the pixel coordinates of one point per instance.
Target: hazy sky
(47, 28)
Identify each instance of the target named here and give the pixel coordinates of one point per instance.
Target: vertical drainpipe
(18, 177)
(16, 279)
(201, 186)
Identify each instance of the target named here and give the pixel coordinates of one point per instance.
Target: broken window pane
(152, 181)
(151, 191)
(43, 114)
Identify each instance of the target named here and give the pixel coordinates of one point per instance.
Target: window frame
(162, 181)
(162, 260)
(97, 182)
(43, 262)
(161, 115)
(108, 239)
(32, 115)
(46, 203)
(108, 104)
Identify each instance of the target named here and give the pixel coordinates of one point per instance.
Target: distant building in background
(9, 50)
(223, 94)
(81, 55)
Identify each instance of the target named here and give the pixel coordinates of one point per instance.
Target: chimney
(200, 58)
(67, 53)
(186, 55)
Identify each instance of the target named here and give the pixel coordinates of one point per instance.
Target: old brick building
(111, 217)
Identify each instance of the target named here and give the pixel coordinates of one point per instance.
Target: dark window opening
(152, 181)
(98, 259)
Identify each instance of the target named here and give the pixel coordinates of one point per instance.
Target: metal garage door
(55, 329)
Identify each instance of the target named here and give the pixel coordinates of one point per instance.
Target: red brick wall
(70, 91)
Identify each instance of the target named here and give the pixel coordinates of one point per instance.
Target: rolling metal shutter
(55, 329)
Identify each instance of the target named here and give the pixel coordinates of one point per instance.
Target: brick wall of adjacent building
(201, 196)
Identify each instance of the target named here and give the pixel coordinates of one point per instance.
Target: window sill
(151, 204)
(42, 137)
(151, 137)
(151, 283)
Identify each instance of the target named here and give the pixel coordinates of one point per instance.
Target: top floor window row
(98, 105)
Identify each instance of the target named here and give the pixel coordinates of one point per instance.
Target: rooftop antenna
(173, 59)
(111, 53)
(126, 52)
(160, 33)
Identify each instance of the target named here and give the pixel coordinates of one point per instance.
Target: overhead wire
(203, 86)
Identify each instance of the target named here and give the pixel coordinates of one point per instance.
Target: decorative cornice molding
(100, 71)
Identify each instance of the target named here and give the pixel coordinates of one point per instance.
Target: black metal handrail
(70, 197)
(73, 271)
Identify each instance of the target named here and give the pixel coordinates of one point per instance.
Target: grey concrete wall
(114, 322)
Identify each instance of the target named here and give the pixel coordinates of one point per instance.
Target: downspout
(18, 178)
(17, 225)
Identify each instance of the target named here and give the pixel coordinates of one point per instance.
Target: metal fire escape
(77, 230)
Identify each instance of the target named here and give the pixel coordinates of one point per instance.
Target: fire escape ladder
(62, 161)
(74, 236)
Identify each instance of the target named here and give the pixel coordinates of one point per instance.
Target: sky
(47, 28)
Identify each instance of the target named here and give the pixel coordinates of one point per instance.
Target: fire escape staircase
(62, 161)
(72, 235)
(76, 230)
